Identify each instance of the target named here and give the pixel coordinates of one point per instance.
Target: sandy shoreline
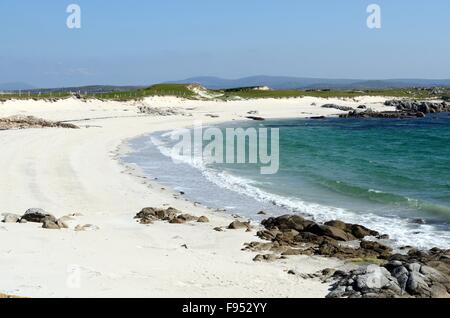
(71, 171)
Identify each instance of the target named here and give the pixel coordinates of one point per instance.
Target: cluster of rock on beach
(406, 272)
(26, 122)
(48, 221)
(404, 109)
(409, 273)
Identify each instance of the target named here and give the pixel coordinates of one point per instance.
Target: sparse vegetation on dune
(406, 93)
(191, 91)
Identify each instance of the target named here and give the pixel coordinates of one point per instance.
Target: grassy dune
(185, 91)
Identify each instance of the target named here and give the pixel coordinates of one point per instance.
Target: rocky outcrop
(385, 114)
(52, 225)
(36, 215)
(160, 111)
(334, 106)
(203, 219)
(415, 106)
(294, 235)
(237, 225)
(410, 277)
(171, 215)
(256, 118)
(369, 281)
(404, 109)
(24, 122)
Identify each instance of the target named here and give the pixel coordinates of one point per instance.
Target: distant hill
(15, 86)
(97, 89)
(283, 82)
(92, 89)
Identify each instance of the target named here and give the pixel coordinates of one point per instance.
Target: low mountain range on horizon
(285, 82)
(15, 86)
(274, 82)
(90, 89)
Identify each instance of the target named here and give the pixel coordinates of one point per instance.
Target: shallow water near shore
(388, 175)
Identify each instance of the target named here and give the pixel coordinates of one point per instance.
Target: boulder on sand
(50, 225)
(236, 225)
(11, 218)
(37, 216)
(203, 219)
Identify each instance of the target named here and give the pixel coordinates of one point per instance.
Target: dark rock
(187, 218)
(311, 238)
(292, 251)
(265, 258)
(269, 235)
(177, 221)
(37, 216)
(174, 216)
(287, 222)
(343, 108)
(236, 225)
(418, 221)
(330, 231)
(361, 232)
(382, 250)
(338, 224)
(257, 118)
(203, 219)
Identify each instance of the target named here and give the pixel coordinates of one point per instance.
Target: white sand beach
(66, 171)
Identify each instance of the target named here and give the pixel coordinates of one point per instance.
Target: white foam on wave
(401, 231)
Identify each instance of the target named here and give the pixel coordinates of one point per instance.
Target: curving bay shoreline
(71, 172)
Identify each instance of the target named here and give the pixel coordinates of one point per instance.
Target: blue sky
(145, 41)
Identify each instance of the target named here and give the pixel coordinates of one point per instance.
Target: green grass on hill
(178, 90)
(185, 91)
(248, 93)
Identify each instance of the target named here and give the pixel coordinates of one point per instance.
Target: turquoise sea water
(391, 175)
